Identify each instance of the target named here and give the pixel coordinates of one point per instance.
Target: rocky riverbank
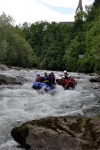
(59, 133)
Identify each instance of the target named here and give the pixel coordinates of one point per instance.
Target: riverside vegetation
(53, 45)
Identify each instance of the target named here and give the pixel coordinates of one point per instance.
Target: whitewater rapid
(21, 103)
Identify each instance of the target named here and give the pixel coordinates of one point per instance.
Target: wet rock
(96, 79)
(11, 80)
(59, 133)
(16, 68)
(3, 67)
(91, 74)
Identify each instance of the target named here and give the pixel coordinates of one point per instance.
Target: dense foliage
(14, 49)
(54, 46)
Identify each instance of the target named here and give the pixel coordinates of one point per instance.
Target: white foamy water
(20, 103)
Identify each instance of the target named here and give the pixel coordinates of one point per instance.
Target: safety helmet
(37, 74)
(45, 72)
(65, 71)
(63, 76)
(59, 78)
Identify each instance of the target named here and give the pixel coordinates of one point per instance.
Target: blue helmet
(37, 74)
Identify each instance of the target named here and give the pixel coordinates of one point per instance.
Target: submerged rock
(59, 133)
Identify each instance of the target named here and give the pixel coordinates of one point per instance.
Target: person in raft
(46, 78)
(64, 82)
(38, 78)
(52, 78)
(59, 80)
(65, 74)
(71, 82)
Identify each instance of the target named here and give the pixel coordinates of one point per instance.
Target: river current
(21, 103)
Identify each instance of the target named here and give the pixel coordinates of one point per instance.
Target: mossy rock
(20, 133)
(79, 131)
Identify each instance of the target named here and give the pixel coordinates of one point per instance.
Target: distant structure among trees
(68, 23)
(78, 9)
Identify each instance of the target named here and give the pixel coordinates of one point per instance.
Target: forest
(53, 46)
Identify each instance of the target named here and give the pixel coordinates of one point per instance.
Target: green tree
(96, 3)
(14, 49)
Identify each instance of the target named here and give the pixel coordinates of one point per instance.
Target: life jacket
(63, 82)
(46, 79)
(66, 83)
(39, 79)
(52, 79)
(66, 77)
(71, 82)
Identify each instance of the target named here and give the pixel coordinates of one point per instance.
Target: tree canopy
(53, 46)
(14, 49)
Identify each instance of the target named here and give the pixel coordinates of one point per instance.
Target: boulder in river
(59, 133)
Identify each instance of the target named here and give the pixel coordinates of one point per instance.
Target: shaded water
(20, 103)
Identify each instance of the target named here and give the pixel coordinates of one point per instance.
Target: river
(20, 103)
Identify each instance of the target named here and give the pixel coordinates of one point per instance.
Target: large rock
(4, 79)
(59, 133)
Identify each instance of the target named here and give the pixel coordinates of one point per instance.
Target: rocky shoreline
(59, 133)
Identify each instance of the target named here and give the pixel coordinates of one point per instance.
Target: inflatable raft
(40, 85)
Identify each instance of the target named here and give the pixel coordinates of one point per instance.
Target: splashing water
(20, 103)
